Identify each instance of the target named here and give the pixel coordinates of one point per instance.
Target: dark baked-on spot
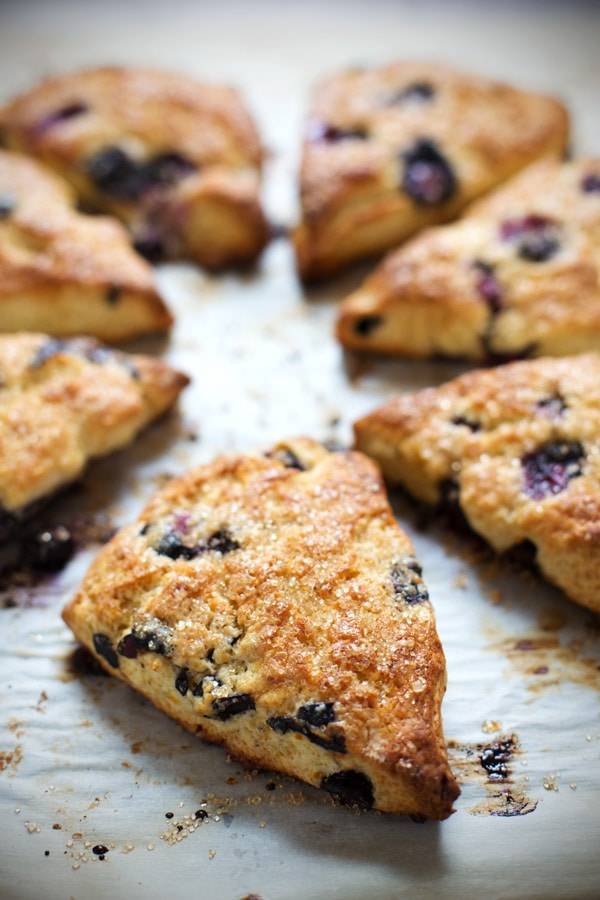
(284, 724)
(103, 647)
(70, 111)
(428, 177)
(590, 184)
(549, 469)
(466, 422)
(488, 286)
(552, 407)
(366, 325)
(182, 682)
(416, 92)
(350, 787)
(226, 707)
(324, 132)
(316, 714)
(407, 582)
(536, 238)
(7, 205)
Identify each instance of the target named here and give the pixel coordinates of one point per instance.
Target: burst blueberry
(428, 177)
(549, 469)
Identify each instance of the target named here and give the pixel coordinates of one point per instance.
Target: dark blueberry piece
(145, 529)
(226, 707)
(49, 550)
(408, 584)
(284, 724)
(100, 850)
(538, 247)
(115, 173)
(535, 237)
(182, 682)
(130, 646)
(47, 351)
(590, 184)
(465, 421)
(316, 713)
(167, 169)
(365, 325)
(104, 647)
(488, 286)
(549, 469)
(495, 758)
(417, 92)
(323, 132)
(552, 407)
(150, 244)
(350, 787)
(428, 177)
(7, 205)
(77, 108)
(172, 546)
(220, 542)
(113, 294)
(288, 458)
(201, 814)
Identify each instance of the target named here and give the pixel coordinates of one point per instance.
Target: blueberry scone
(519, 275)
(63, 402)
(178, 161)
(64, 273)
(391, 150)
(518, 449)
(272, 604)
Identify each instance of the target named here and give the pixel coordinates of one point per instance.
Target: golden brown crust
(208, 208)
(65, 402)
(521, 445)
(282, 579)
(475, 290)
(65, 273)
(354, 202)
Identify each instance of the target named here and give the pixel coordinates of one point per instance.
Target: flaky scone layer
(65, 273)
(518, 448)
(63, 402)
(391, 150)
(518, 275)
(272, 604)
(177, 160)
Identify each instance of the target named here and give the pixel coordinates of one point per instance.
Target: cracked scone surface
(177, 160)
(518, 448)
(391, 150)
(272, 604)
(65, 273)
(519, 275)
(63, 402)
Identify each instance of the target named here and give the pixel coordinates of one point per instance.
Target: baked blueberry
(408, 584)
(113, 294)
(466, 422)
(549, 469)
(114, 172)
(150, 243)
(7, 205)
(416, 92)
(324, 132)
(182, 682)
(495, 758)
(535, 237)
(289, 459)
(552, 407)
(220, 542)
(171, 545)
(103, 646)
(488, 286)
(167, 169)
(350, 787)
(590, 184)
(316, 714)
(428, 177)
(284, 724)
(226, 707)
(70, 111)
(365, 325)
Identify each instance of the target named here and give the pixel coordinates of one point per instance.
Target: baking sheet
(85, 753)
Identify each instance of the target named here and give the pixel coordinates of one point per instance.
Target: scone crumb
(550, 782)
(489, 726)
(212, 854)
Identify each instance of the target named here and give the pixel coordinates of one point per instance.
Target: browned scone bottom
(518, 448)
(177, 160)
(64, 273)
(64, 402)
(518, 275)
(391, 150)
(271, 603)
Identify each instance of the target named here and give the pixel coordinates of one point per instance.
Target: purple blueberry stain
(549, 469)
(428, 177)
(326, 133)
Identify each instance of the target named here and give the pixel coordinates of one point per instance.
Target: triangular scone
(518, 275)
(272, 604)
(178, 161)
(65, 273)
(518, 448)
(391, 150)
(63, 402)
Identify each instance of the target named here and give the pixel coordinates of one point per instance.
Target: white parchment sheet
(86, 754)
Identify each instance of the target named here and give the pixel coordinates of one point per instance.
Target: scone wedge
(519, 275)
(518, 449)
(64, 402)
(391, 150)
(178, 161)
(270, 603)
(65, 273)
